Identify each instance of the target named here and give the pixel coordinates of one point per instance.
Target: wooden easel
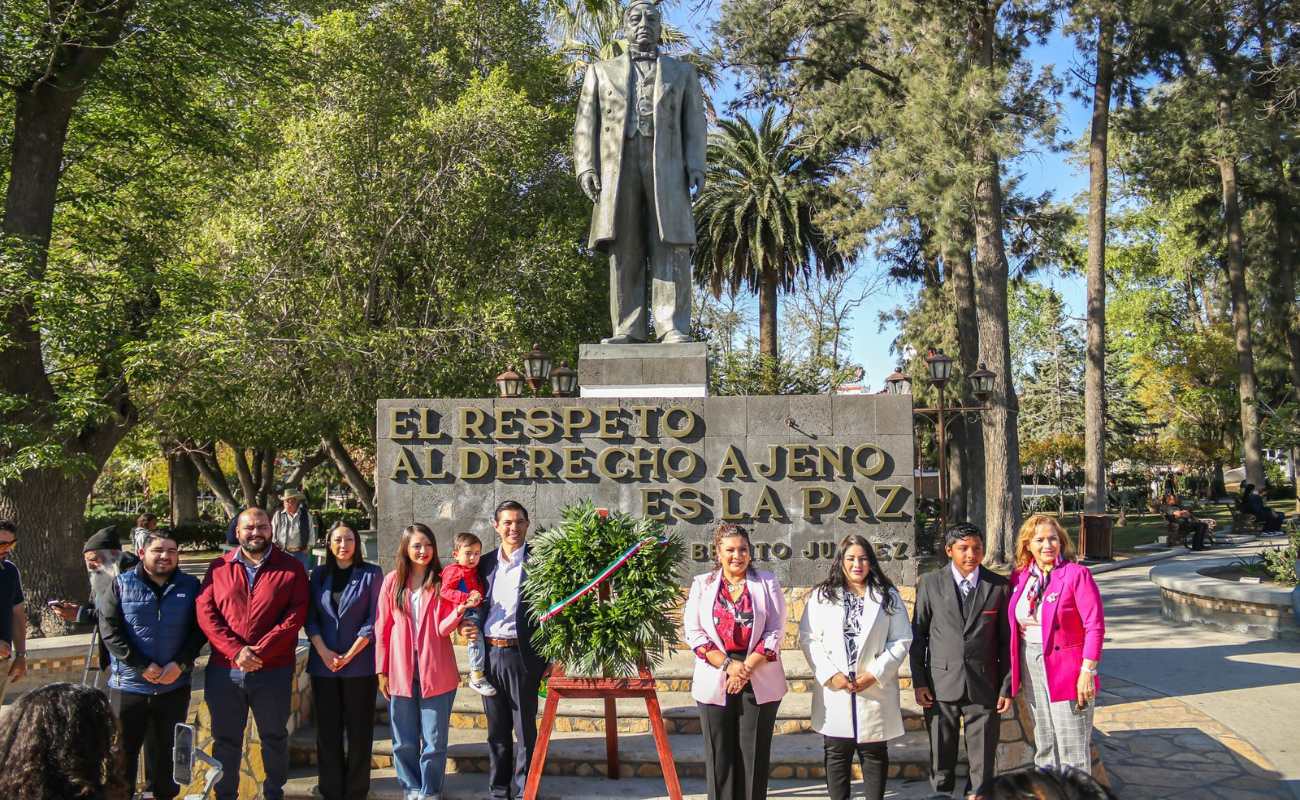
(608, 689)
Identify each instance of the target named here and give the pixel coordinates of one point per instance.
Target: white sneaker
(481, 686)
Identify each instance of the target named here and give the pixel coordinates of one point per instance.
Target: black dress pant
(738, 746)
(140, 714)
(839, 767)
(983, 731)
(511, 712)
(344, 708)
(1199, 531)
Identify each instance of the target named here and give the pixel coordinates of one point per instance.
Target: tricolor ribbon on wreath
(607, 572)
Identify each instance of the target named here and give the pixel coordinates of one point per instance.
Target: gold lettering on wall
(403, 466)
(768, 504)
(395, 425)
(540, 423)
(773, 465)
(822, 501)
(890, 492)
(645, 459)
(539, 462)
(471, 423)
(609, 422)
(687, 465)
(733, 462)
(679, 432)
(574, 469)
(861, 466)
(798, 468)
(575, 419)
(429, 474)
(689, 505)
(731, 500)
(506, 423)
(506, 465)
(427, 428)
(832, 459)
(650, 504)
(480, 462)
(856, 504)
(643, 420)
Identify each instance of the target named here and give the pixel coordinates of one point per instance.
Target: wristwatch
(23, 654)
(1089, 670)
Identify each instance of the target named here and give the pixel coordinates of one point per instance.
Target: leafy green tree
(116, 120)
(756, 219)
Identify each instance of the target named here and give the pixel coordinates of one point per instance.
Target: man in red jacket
(252, 604)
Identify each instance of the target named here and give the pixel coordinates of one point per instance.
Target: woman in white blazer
(734, 621)
(855, 634)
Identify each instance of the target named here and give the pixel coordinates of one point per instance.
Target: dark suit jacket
(340, 627)
(487, 567)
(952, 655)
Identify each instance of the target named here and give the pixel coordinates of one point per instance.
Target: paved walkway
(1190, 712)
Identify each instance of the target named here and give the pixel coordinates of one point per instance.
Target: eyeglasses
(9, 545)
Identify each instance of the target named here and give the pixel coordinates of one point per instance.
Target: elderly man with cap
(292, 529)
(104, 562)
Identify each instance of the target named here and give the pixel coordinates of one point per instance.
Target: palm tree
(756, 220)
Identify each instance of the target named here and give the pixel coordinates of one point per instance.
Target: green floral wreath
(595, 639)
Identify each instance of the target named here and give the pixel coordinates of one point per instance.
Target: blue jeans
(420, 769)
(478, 647)
(230, 694)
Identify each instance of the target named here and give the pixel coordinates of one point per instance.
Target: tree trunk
(348, 469)
(767, 340)
(1252, 446)
(205, 461)
(1285, 288)
(184, 479)
(1094, 379)
(266, 492)
(970, 437)
(247, 483)
(297, 474)
(1002, 493)
(1194, 306)
(957, 469)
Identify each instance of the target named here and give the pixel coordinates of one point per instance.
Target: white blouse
(1030, 626)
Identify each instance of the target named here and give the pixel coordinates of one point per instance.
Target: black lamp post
(939, 365)
(511, 383)
(537, 368)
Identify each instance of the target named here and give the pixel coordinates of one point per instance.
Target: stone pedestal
(643, 370)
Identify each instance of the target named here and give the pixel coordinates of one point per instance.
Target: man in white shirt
(513, 667)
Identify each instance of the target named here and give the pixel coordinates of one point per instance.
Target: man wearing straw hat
(292, 529)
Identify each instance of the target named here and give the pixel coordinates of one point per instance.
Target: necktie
(966, 594)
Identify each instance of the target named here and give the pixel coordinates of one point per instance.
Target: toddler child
(462, 585)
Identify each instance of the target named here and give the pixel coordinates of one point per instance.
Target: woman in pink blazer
(416, 664)
(734, 621)
(1057, 628)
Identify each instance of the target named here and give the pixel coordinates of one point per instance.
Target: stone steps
(473, 786)
(582, 754)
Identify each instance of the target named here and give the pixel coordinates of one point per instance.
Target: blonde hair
(1026, 534)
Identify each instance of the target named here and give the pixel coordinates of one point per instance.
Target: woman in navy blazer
(341, 626)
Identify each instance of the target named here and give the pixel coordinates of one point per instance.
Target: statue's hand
(590, 183)
(695, 179)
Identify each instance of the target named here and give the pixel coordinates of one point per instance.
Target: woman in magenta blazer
(734, 621)
(416, 664)
(1057, 627)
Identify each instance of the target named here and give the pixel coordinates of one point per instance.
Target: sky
(1051, 171)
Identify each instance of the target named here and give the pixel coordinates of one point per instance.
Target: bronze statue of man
(638, 145)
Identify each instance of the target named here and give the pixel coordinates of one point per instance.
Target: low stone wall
(1187, 595)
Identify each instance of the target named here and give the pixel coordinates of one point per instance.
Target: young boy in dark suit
(960, 667)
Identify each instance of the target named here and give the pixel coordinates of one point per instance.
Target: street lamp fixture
(537, 367)
(511, 383)
(564, 381)
(981, 381)
(898, 383)
(940, 367)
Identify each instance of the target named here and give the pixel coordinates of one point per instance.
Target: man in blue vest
(147, 621)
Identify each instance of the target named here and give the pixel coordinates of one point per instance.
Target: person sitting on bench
(1270, 521)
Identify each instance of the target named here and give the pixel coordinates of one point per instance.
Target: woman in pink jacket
(1057, 630)
(734, 621)
(416, 664)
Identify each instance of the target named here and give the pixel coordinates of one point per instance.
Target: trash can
(1095, 539)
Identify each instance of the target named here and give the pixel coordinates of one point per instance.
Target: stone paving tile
(1155, 747)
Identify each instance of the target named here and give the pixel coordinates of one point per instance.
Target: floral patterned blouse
(854, 606)
(734, 620)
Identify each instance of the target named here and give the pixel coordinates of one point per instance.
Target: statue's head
(642, 23)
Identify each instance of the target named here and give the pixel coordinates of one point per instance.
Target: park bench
(1243, 522)
(1175, 535)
